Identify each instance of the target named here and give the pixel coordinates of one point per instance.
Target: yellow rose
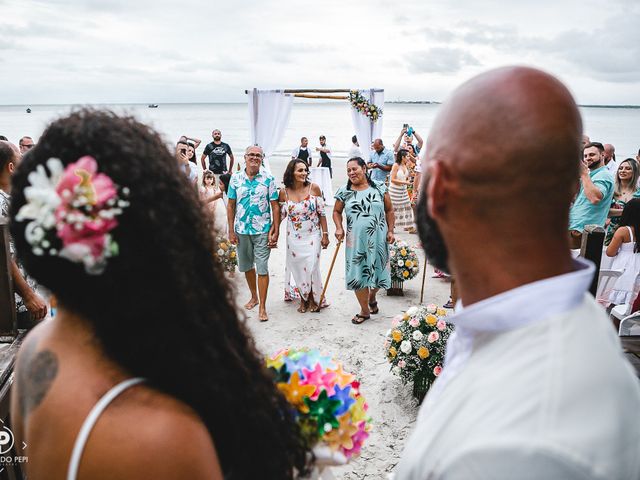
(408, 264)
(431, 320)
(441, 312)
(405, 317)
(423, 352)
(403, 252)
(223, 246)
(405, 274)
(393, 352)
(396, 335)
(232, 254)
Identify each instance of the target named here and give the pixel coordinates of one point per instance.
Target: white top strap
(630, 233)
(91, 420)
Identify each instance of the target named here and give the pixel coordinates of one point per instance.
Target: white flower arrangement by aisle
(403, 260)
(415, 346)
(226, 254)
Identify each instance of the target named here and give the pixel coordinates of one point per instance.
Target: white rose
(412, 311)
(406, 347)
(431, 308)
(396, 370)
(400, 263)
(417, 335)
(221, 252)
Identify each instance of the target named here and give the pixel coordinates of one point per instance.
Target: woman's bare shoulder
(315, 189)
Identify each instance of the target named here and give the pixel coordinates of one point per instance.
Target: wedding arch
(269, 112)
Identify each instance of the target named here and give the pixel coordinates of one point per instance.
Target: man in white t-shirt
(303, 151)
(535, 384)
(354, 151)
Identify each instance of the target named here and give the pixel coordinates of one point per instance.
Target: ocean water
(618, 126)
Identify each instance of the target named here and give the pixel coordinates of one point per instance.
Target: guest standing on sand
(402, 211)
(145, 318)
(532, 355)
(254, 217)
(370, 223)
(307, 233)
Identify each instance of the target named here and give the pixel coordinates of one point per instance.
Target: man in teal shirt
(593, 201)
(254, 217)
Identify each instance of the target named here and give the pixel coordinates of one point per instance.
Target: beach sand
(358, 347)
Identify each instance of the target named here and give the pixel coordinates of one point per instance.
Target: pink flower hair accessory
(73, 212)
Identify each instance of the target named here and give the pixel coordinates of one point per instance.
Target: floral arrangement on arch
(326, 400)
(415, 346)
(226, 254)
(363, 106)
(404, 262)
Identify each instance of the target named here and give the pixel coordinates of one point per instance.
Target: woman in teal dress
(626, 188)
(370, 223)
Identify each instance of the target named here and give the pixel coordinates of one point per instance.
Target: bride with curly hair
(146, 371)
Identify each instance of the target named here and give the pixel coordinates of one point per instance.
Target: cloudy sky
(119, 51)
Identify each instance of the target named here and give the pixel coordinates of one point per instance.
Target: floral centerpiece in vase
(226, 253)
(415, 346)
(403, 260)
(326, 401)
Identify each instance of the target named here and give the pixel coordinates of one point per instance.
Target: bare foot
(262, 316)
(303, 307)
(313, 306)
(251, 303)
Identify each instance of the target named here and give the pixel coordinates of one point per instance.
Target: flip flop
(358, 319)
(373, 307)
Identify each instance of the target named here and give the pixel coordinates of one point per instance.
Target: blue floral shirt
(253, 211)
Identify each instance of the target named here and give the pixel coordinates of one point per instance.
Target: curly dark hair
(163, 309)
(287, 178)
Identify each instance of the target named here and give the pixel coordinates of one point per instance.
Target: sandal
(449, 304)
(373, 307)
(358, 319)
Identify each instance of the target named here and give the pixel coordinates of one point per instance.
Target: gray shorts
(253, 252)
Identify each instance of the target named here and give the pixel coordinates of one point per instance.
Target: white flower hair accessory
(72, 213)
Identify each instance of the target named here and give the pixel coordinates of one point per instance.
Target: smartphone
(406, 125)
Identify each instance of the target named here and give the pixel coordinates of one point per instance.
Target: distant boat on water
(28, 110)
(153, 105)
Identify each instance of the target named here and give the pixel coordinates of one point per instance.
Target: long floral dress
(302, 269)
(367, 251)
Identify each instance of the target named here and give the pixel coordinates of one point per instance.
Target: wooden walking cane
(424, 276)
(326, 282)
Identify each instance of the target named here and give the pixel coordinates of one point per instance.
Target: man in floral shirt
(27, 299)
(254, 217)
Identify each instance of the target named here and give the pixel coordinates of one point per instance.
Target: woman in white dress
(302, 203)
(398, 191)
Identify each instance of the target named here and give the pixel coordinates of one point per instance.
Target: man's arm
(396, 145)
(231, 160)
(204, 165)
(34, 303)
(386, 166)
(419, 139)
(275, 223)
(591, 190)
(231, 217)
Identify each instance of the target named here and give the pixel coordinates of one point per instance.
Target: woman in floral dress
(370, 223)
(302, 203)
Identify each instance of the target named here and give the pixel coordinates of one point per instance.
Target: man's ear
(437, 190)
(12, 167)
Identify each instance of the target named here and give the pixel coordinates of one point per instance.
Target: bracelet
(325, 233)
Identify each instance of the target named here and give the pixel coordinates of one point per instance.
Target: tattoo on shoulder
(38, 370)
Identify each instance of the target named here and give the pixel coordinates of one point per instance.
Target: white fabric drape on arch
(269, 112)
(367, 131)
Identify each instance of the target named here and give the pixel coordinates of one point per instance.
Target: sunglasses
(254, 155)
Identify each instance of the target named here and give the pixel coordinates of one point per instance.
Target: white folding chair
(606, 281)
(627, 322)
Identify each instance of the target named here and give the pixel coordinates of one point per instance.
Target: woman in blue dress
(370, 223)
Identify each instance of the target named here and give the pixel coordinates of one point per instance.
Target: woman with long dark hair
(398, 183)
(146, 370)
(625, 247)
(370, 222)
(302, 204)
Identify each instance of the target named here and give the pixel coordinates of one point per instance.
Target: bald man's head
(506, 144)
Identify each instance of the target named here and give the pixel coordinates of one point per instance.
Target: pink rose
(441, 325)
(396, 320)
(402, 364)
(433, 337)
(437, 370)
(414, 322)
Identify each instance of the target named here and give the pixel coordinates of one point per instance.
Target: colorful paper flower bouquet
(327, 401)
(415, 346)
(226, 253)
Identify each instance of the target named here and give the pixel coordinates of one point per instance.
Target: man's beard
(432, 242)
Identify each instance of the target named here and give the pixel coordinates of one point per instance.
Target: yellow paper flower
(408, 264)
(341, 436)
(393, 352)
(405, 274)
(441, 312)
(358, 412)
(431, 320)
(396, 335)
(295, 393)
(275, 362)
(342, 378)
(423, 352)
(403, 252)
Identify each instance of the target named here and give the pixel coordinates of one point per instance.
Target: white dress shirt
(535, 386)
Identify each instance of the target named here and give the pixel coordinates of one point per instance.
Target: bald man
(610, 158)
(535, 385)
